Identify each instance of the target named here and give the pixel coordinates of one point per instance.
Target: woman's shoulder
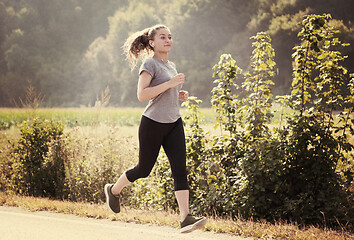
(149, 61)
(148, 65)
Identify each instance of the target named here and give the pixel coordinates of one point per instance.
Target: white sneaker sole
(106, 193)
(197, 225)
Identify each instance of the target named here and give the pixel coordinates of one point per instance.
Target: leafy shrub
(32, 173)
(6, 170)
(316, 140)
(48, 163)
(249, 156)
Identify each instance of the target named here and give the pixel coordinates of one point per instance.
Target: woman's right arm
(145, 92)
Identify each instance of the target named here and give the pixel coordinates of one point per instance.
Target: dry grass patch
(266, 230)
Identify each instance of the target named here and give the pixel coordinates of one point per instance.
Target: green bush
(46, 162)
(317, 140)
(290, 174)
(246, 160)
(32, 173)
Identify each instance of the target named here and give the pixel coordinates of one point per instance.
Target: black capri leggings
(153, 135)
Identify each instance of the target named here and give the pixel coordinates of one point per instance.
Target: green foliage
(224, 99)
(73, 54)
(226, 148)
(46, 45)
(251, 162)
(75, 166)
(238, 172)
(315, 189)
(32, 173)
(261, 164)
(316, 141)
(258, 100)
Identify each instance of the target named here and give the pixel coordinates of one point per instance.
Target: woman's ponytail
(137, 45)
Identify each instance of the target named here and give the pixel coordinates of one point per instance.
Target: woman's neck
(161, 56)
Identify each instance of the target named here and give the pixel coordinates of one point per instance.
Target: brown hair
(137, 45)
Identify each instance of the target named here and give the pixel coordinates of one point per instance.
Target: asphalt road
(18, 224)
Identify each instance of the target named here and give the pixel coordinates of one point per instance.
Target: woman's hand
(183, 95)
(177, 80)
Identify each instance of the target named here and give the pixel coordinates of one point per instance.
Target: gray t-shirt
(164, 108)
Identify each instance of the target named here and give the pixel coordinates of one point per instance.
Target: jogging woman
(161, 123)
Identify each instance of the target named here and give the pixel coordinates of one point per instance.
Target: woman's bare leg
(120, 184)
(182, 197)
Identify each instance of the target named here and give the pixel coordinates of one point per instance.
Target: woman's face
(162, 40)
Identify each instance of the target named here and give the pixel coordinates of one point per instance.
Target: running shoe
(191, 223)
(112, 200)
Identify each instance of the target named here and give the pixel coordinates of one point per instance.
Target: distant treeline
(70, 50)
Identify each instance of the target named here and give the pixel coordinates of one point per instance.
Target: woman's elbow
(141, 98)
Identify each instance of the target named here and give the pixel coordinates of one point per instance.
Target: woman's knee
(144, 173)
(137, 172)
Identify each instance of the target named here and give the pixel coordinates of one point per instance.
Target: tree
(49, 47)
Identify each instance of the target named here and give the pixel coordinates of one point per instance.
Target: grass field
(92, 116)
(73, 116)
